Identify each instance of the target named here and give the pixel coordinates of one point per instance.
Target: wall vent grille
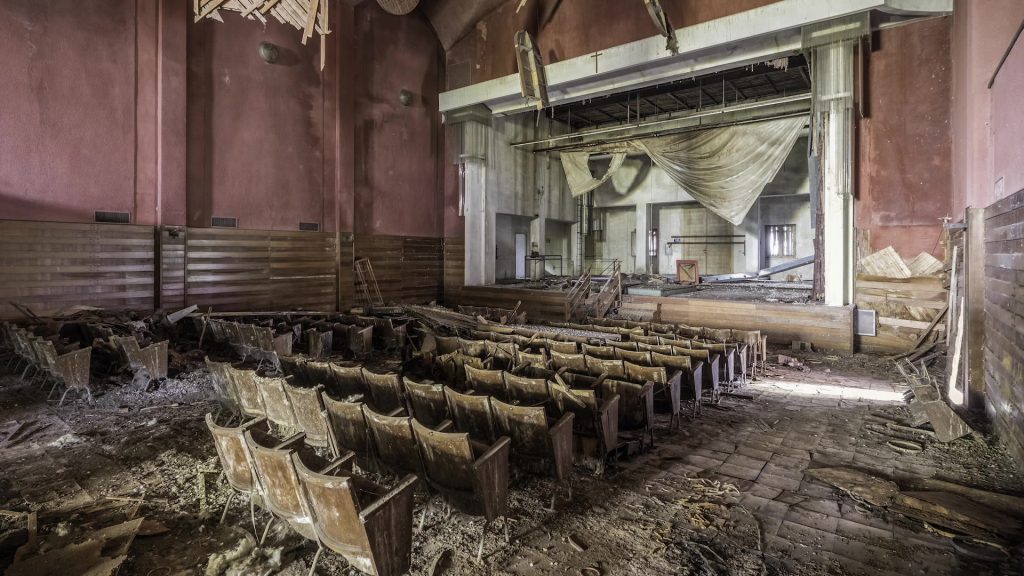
(113, 217)
(224, 222)
(866, 323)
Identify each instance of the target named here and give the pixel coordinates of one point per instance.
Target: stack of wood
(305, 15)
(910, 299)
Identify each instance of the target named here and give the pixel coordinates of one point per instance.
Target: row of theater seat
(754, 341)
(673, 377)
(727, 361)
(369, 524)
(370, 429)
(41, 358)
(268, 341)
(469, 468)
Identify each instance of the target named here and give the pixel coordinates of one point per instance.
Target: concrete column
(538, 232)
(833, 89)
(642, 226)
(472, 126)
(480, 217)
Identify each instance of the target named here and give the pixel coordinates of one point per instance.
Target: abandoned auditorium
(512, 287)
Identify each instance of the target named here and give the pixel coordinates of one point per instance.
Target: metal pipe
(667, 132)
(701, 114)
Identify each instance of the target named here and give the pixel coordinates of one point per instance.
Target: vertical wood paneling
(50, 265)
(408, 269)
(172, 267)
(1004, 319)
(454, 266)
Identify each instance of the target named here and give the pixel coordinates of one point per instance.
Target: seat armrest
(676, 376)
(343, 462)
(405, 486)
(493, 454)
(445, 426)
(563, 422)
(291, 441)
(260, 420)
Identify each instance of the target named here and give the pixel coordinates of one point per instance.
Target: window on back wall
(781, 240)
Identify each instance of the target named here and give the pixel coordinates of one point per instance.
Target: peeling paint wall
(903, 169)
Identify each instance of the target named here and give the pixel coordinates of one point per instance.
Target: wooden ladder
(367, 290)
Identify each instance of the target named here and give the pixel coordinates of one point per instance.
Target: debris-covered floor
(733, 492)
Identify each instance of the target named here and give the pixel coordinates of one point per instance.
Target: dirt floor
(729, 493)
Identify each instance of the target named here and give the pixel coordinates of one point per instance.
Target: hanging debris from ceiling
(532, 83)
(307, 15)
(664, 26)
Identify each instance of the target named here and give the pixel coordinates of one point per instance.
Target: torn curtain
(725, 169)
(576, 166)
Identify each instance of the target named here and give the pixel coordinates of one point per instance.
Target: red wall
(1008, 124)
(256, 130)
(130, 106)
(397, 147)
(577, 28)
(982, 30)
(904, 178)
(67, 118)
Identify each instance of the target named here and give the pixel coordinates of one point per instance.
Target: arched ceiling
(453, 19)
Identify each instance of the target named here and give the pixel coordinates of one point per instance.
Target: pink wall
(903, 167)
(256, 130)
(1008, 123)
(67, 122)
(130, 106)
(94, 110)
(397, 147)
(982, 29)
(576, 28)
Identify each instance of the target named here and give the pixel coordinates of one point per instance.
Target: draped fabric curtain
(725, 169)
(576, 166)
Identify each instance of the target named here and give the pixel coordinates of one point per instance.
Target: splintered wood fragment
(253, 7)
(927, 331)
(208, 8)
(310, 20)
(268, 5)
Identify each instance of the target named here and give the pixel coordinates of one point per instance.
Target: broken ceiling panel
(664, 26)
(307, 15)
(531, 70)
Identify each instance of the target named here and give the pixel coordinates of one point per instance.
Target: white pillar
(642, 227)
(833, 90)
(480, 247)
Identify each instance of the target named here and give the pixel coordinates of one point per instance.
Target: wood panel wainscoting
(551, 306)
(236, 270)
(454, 264)
(50, 265)
(47, 266)
(1004, 319)
(409, 269)
(825, 327)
